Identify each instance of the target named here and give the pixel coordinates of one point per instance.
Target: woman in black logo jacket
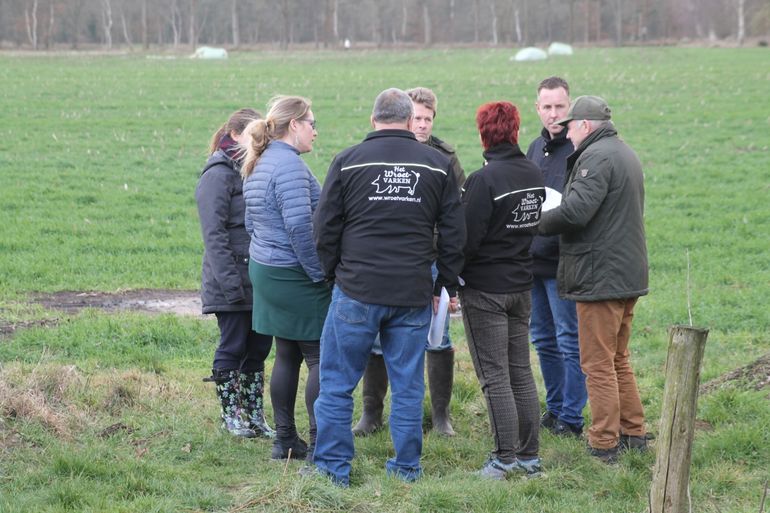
(502, 203)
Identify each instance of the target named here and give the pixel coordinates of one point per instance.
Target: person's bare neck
(391, 126)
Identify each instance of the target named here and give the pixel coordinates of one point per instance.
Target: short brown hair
(553, 83)
(424, 96)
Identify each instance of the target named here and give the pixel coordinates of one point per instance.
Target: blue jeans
(348, 335)
(554, 332)
(446, 342)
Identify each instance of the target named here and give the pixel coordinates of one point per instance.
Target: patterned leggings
(497, 329)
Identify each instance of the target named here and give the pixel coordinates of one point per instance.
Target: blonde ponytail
(259, 137)
(281, 111)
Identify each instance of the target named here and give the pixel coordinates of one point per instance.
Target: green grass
(99, 157)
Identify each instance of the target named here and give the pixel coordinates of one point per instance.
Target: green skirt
(287, 304)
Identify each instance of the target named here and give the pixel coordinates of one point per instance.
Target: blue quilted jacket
(281, 195)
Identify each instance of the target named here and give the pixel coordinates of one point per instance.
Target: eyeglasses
(310, 121)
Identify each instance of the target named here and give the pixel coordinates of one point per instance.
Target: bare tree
(619, 22)
(495, 36)
(476, 16)
(741, 21)
(234, 22)
(49, 34)
(286, 33)
(145, 31)
(107, 23)
(404, 17)
(331, 23)
(517, 24)
(174, 19)
(193, 28)
(426, 22)
(30, 18)
(124, 25)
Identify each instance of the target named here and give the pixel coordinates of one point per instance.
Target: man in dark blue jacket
(374, 231)
(553, 323)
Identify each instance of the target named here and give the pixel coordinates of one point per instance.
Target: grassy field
(99, 157)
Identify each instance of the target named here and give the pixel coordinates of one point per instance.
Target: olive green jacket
(449, 151)
(603, 252)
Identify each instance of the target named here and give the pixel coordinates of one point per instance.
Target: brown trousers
(604, 330)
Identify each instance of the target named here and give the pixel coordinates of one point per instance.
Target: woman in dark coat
(502, 203)
(239, 360)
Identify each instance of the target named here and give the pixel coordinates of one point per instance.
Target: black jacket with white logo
(374, 223)
(502, 210)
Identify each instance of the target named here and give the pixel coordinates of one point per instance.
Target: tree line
(49, 24)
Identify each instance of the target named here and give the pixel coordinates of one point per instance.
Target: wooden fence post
(671, 475)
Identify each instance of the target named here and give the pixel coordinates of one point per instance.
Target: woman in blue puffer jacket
(289, 288)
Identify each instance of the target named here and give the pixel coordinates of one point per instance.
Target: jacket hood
(219, 158)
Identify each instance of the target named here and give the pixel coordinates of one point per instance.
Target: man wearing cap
(603, 267)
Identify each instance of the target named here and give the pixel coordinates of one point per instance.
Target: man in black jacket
(554, 325)
(603, 267)
(441, 357)
(374, 232)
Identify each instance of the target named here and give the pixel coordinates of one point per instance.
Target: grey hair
(392, 106)
(597, 124)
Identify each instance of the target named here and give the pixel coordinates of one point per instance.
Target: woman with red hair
(502, 203)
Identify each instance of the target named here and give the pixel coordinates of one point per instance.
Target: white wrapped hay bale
(530, 54)
(208, 52)
(560, 49)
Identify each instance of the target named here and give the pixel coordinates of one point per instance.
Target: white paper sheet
(438, 320)
(552, 199)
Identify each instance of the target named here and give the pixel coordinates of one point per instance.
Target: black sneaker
(562, 428)
(608, 456)
(631, 442)
(548, 420)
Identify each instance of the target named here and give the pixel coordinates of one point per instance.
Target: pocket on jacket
(577, 268)
(242, 264)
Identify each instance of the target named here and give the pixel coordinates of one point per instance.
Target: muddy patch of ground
(151, 301)
(754, 376)
(180, 302)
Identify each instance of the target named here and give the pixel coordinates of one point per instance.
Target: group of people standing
(346, 276)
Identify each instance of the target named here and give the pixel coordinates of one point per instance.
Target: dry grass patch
(66, 402)
(40, 395)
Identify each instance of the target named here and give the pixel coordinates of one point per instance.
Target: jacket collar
(502, 151)
(607, 131)
(551, 143)
(390, 132)
(282, 145)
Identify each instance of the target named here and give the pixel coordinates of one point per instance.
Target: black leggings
(284, 382)
(239, 346)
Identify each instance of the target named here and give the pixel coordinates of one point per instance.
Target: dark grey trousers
(497, 329)
(239, 346)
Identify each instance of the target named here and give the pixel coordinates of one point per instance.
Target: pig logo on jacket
(396, 180)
